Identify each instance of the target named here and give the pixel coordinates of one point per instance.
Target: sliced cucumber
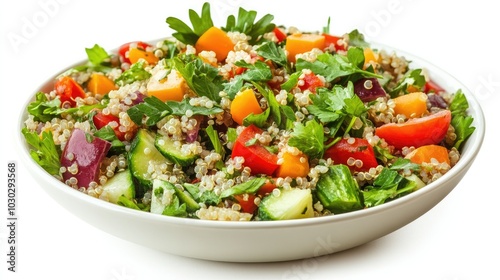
(166, 146)
(165, 193)
(120, 184)
(290, 204)
(143, 153)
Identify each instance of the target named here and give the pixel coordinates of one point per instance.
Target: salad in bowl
(249, 121)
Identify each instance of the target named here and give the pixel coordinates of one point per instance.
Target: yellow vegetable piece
(134, 54)
(412, 105)
(370, 57)
(166, 88)
(216, 40)
(301, 43)
(427, 153)
(293, 166)
(244, 104)
(100, 84)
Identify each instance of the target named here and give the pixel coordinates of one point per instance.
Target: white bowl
(265, 241)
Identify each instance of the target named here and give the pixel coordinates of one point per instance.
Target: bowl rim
(472, 149)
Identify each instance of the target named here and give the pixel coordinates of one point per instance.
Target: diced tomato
(359, 149)
(416, 132)
(311, 82)
(333, 40)
(101, 120)
(122, 51)
(247, 202)
(431, 86)
(280, 35)
(68, 90)
(257, 157)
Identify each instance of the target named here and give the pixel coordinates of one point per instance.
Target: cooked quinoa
(207, 161)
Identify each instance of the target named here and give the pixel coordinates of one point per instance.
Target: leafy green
(413, 78)
(213, 135)
(246, 24)
(44, 152)
(335, 66)
(250, 186)
(308, 138)
(98, 60)
(205, 196)
(201, 77)
(200, 23)
(357, 39)
(175, 208)
(136, 72)
(127, 202)
(154, 110)
(258, 72)
(108, 134)
(387, 186)
(460, 120)
(404, 164)
(257, 119)
(270, 50)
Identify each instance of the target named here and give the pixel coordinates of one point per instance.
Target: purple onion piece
(435, 100)
(368, 89)
(139, 99)
(192, 134)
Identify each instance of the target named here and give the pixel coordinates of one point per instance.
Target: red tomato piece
(359, 149)
(247, 202)
(416, 132)
(257, 157)
(101, 120)
(280, 35)
(311, 82)
(333, 40)
(267, 188)
(68, 90)
(431, 86)
(122, 51)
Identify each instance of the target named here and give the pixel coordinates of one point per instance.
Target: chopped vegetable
(68, 91)
(100, 84)
(216, 40)
(301, 43)
(427, 153)
(412, 105)
(244, 104)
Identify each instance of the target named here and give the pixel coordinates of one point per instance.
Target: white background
(458, 239)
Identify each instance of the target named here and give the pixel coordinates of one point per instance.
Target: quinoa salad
(248, 121)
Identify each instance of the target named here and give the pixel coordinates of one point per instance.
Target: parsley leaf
(258, 72)
(108, 134)
(180, 108)
(335, 66)
(460, 120)
(246, 24)
(202, 78)
(357, 39)
(186, 34)
(152, 108)
(136, 72)
(308, 138)
(387, 186)
(214, 138)
(413, 78)
(270, 51)
(250, 186)
(44, 152)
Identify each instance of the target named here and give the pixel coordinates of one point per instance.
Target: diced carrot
(428, 152)
(166, 88)
(412, 105)
(216, 40)
(293, 166)
(244, 104)
(134, 54)
(370, 57)
(301, 43)
(100, 84)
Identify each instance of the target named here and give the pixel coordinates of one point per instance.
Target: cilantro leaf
(44, 152)
(270, 51)
(258, 72)
(308, 138)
